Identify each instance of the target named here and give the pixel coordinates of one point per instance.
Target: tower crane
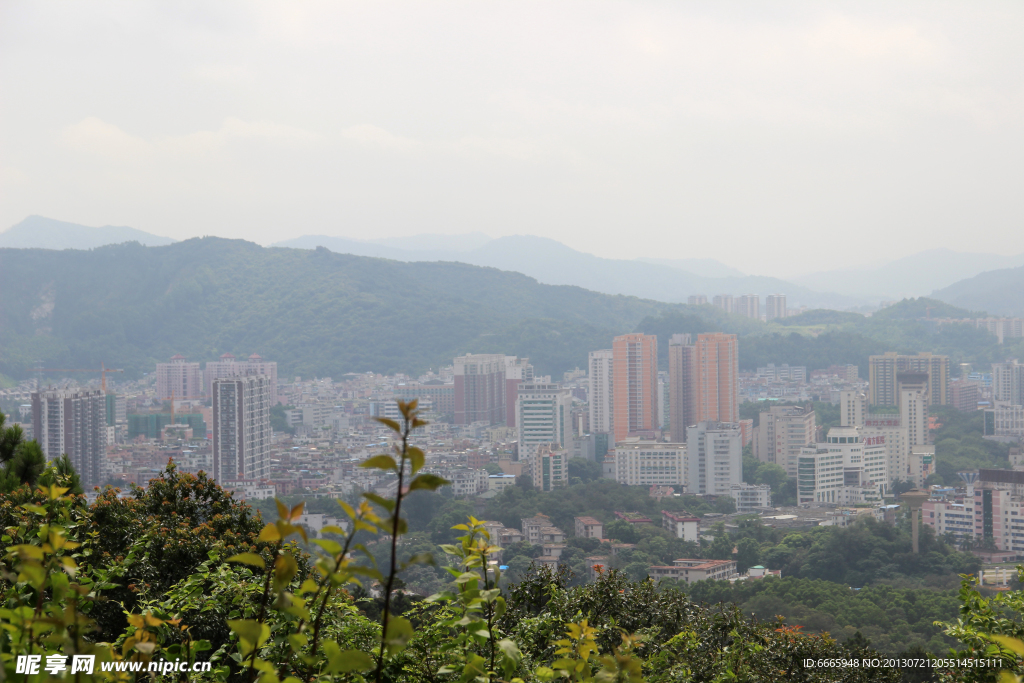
(102, 369)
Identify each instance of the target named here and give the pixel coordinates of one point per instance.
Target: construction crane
(102, 369)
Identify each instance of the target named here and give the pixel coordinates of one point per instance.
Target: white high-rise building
(229, 366)
(663, 400)
(1008, 383)
(725, 302)
(178, 379)
(749, 305)
(774, 306)
(73, 422)
(901, 432)
(780, 435)
(241, 427)
(544, 416)
(602, 417)
(649, 463)
(847, 468)
(714, 457)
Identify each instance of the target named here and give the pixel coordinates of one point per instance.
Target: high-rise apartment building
(601, 391)
(1008, 382)
(664, 419)
(682, 385)
(73, 421)
(229, 366)
(543, 413)
(480, 388)
(781, 433)
(883, 369)
(725, 302)
(774, 306)
(517, 371)
(964, 395)
(901, 432)
(717, 371)
(635, 382)
(178, 379)
(241, 427)
(696, 299)
(749, 305)
(714, 453)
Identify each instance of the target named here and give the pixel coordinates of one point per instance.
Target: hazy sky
(776, 137)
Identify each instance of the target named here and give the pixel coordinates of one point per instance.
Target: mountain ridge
(39, 232)
(554, 263)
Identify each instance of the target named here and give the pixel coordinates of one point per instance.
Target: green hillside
(321, 313)
(316, 312)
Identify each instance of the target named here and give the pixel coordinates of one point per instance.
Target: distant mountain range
(999, 292)
(912, 276)
(972, 280)
(553, 263)
(39, 232)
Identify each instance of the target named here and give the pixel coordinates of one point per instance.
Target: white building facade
(599, 393)
(714, 457)
(646, 463)
(241, 427)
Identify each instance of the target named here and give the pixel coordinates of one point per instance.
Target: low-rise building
(750, 497)
(690, 570)
(588, 527)
(948, 517)
(682, 525)
(499, 482)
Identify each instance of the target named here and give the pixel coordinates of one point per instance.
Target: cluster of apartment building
(989, 506)
(747, 305)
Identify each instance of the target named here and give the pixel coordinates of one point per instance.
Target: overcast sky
(776, 137)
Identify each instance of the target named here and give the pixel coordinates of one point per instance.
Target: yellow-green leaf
(430, 482)
(390, 424)
(381, 462)
(270, 533)
(248, 558)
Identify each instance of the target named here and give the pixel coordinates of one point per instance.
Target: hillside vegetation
(316, 312)
(325, 314)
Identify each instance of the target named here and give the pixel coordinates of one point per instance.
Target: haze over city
(393, 342)
(619, 129)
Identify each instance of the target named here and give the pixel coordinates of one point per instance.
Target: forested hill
(320, 313)
(316, 312)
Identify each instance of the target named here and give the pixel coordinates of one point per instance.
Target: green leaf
(399, 634)
(390, 424)
(252, 632)
(430, 482)
(248, 558)
(270, 533)
(381, 462)
(416, 458)
(347, 508)
(297, 641)
(331, 529)
(333, 547)
(282, 509)
(345, 661)
(284, 569)
(385, 503)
